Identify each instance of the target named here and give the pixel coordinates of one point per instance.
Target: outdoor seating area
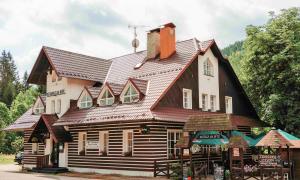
(239, 155)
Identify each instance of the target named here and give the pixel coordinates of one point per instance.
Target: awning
(44, 128)
(216, 122)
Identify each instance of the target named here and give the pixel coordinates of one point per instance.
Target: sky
(100, 28)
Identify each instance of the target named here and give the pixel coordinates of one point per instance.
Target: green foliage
(271, 64)
(5, 117)
(23, 101)
(232, 48)
(17, 145)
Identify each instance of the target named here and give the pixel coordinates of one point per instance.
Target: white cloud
(99, 28)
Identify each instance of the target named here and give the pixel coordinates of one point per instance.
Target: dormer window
(208, 68)
(106, 98)
(131, 94)
(39, 108)
(85, 101)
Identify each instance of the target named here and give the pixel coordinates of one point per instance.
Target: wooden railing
(42, 161)
(164, 167)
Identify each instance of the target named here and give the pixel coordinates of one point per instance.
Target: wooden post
(154, 171)
(181, 153)
(168, 170)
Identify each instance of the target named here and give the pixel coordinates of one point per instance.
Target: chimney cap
(170, 24)
(154, 30)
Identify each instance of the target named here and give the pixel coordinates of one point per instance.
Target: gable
(68, 64)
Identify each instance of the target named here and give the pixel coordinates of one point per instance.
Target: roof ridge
(66, 51)
(146, 49)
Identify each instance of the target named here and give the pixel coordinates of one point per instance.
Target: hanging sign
(195, 148)
(236, 152)
(92, 145)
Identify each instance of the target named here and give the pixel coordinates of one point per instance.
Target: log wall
(146, 147)
(29, 158)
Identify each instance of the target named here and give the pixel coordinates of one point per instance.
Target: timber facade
(124, 114)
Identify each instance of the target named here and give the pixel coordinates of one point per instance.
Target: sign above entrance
(209, 136)
(56, 93)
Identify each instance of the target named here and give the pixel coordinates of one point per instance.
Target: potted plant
(127, 154)
(103, 153)
(189, 173)
(227, 174)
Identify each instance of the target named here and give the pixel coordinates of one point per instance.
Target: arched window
(85, 101)
(106, 98)
(208, 68)
(131, 95)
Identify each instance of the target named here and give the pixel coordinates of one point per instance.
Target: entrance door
(55, 155)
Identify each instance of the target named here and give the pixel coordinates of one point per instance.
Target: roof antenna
(135, 42)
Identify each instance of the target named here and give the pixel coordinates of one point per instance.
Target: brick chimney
(153, 43)
(167, 40)
(161, 41)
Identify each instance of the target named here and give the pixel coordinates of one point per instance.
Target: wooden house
(120, 115)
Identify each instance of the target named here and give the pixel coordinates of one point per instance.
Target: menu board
(219, 173)
(269, 160)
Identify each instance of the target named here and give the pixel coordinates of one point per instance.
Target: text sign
(209, 136)
(269, 160)
(92, 145)
(55, 93)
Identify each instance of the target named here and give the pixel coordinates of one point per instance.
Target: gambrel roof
(68, 64)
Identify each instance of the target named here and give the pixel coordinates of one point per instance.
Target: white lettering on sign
(92, 145)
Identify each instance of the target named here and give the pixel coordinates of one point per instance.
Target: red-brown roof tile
(94, 91)
(26, 121)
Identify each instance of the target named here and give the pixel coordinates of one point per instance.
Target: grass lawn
(6, 159)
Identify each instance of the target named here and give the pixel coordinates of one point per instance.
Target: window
(35, 148)
(208, 68)
(106, 99)
(81, 143)
(173, 137)
(212, 103)
(103, 141)
(58, 110)
(131, 95)
(228, 104)
(52, 106)
(39, 108)
(204, 102)
(127, 142)
(86, 101)
(187, 98)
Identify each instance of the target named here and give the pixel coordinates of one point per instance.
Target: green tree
(23, 101)
(17, 145)
(5, 119)
(9, 80)
(271, 65)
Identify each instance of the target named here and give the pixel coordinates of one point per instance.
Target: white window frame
(58, 107)
(34, 148)
(125, 141)
(53, 107)
(104, 100)
(82, 142)
(208, 68)
(39, 107)
(102, 140)
(85, 101)
(212, 103)
(204, 102)
(132, 97)
(175, 131)
(187, 98)
(228, 105)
